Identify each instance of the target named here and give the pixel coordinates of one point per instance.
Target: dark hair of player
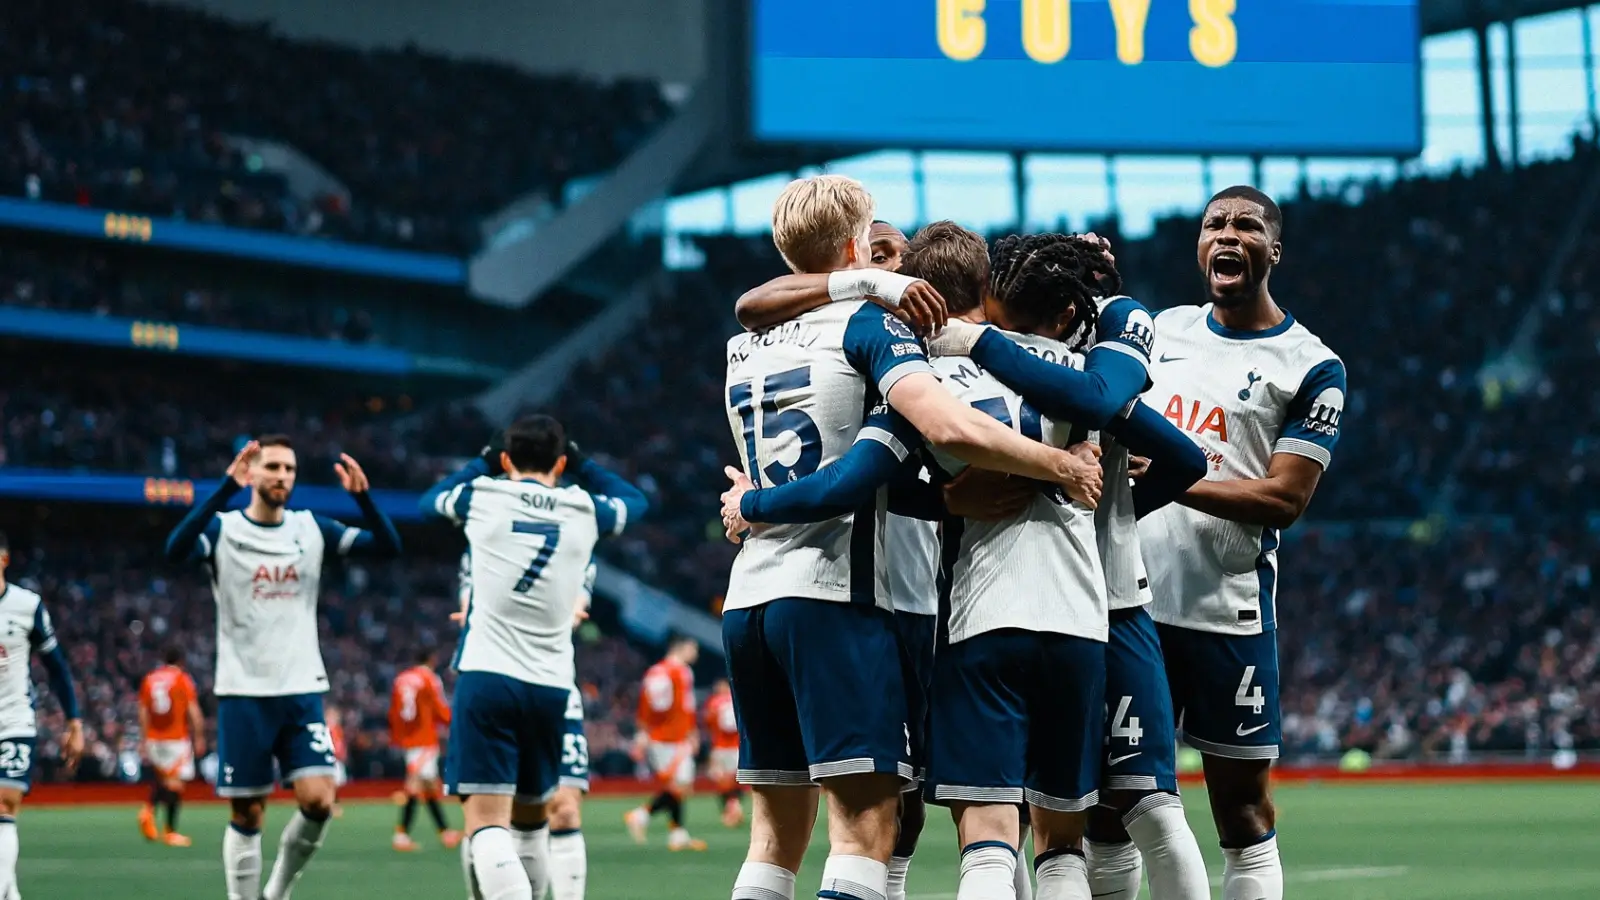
(954, 260)
(172, 655)
(1039, 277)
(534, 443)
(275, 440)
(425, 656)
(883, 223)
(1273, 214)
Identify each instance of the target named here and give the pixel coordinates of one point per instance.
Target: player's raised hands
(1082, 478)
(350, 475)
(733, 521)
(921, 307)
(72, 745)
(988, 496)
(239, 469)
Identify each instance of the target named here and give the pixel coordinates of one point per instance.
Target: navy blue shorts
(1018, 718)
(817, 690)
(16, 763)
(506, 737)
(1141, 743)
(255, 732)
(575, 747)
(1225, 691)
(916, 638)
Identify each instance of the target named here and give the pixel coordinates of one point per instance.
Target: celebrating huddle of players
(976, 558)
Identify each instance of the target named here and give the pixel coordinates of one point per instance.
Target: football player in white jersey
(1138, 783)
(807, 623)
(912, 541)
(530, 543)
(28, 630)
(1263, 397)
(265, 563)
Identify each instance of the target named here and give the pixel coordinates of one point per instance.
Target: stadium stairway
(528, 251)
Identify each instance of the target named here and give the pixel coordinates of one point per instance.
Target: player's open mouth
(1227, 266)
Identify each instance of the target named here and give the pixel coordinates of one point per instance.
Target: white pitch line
(1292, 876)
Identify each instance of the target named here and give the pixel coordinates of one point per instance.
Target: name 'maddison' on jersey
(798, 395)
(1039, 570)
(1243, 397)
(529, 557)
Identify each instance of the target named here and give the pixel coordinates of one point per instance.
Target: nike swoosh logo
(1166, 359)
(1118, 759)
(1242, 731)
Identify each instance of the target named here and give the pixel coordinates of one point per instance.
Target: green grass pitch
(1367, 842)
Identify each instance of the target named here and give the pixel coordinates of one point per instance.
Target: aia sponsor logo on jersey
(1189, 416)
(275, 582)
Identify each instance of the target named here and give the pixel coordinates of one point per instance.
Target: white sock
(763, 881)
(988, 872)
(241, 863)
(1063, 876)
(498, 868)
(533, 848)
(1114, 870)
(854, 878)
(1177, 867)
(1024, 879)
(1254, 873)
(569, 865)
(899, 867)
(466, 870)
(8, 855)
(301, 838)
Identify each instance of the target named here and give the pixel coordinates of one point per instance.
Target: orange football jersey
(666, 702)
(165, 696)
(721, 722)
(417, 709)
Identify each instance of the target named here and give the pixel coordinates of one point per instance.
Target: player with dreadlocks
(1138, 785)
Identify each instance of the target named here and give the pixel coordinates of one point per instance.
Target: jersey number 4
(552, 537)
(775, 424)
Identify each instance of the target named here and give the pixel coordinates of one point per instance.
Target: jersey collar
(1235, 334)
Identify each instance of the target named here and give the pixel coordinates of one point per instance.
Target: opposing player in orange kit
(723, 726)
(417, 709)
(667, 740)
(172, 729)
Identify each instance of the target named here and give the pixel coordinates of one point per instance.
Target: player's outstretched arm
(1175, 461)
(196, 536)
(791, 296)
(1090, 398)
(617, 501)
(978, 440)
(378, 538)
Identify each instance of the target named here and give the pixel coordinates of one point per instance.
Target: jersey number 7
(552, 537)
(775, 424)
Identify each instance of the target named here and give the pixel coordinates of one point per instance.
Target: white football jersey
(798, 395)
(912, 558)
(1039, 570)
(529, 554)
(1242, 396)
(266, 580)
(27, 628)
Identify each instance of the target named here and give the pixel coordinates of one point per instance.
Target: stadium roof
(1440, 16)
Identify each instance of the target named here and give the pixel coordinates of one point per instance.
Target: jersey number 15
(774, 425)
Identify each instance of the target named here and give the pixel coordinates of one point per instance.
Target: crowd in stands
(117, 607)
(134, 106)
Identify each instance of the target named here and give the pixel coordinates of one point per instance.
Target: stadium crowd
(131, 105)
(117, 610)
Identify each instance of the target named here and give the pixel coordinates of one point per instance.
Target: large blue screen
(1160, 76)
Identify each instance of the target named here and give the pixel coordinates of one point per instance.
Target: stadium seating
(123, 104)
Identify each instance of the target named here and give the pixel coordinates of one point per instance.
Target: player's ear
(560, 466)
(1277, 252)
(505, 461)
